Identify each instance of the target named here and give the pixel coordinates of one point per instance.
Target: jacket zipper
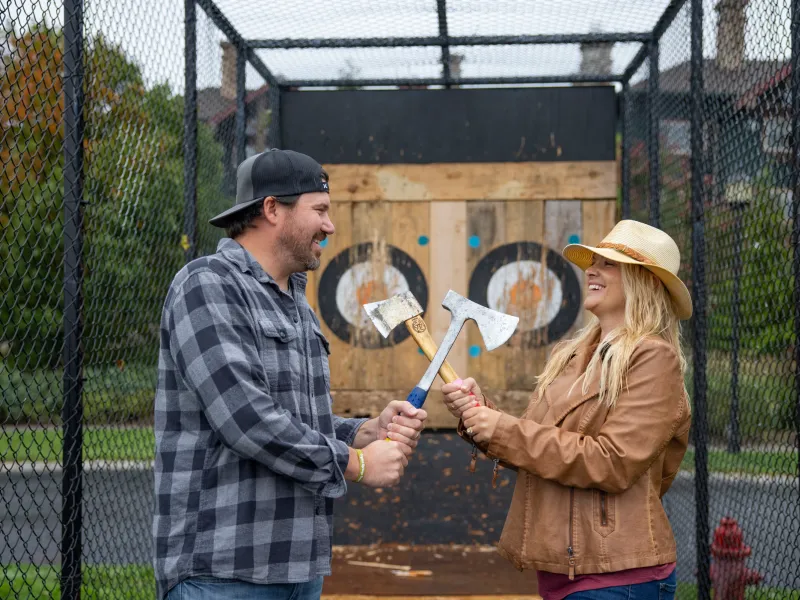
(570, 551)
(603, 517)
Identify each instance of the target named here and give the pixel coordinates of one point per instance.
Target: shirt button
(319, 510)
(296, 319)
(283, 333)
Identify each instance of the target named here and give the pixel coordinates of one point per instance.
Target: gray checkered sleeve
(213, 345)
(346, 429)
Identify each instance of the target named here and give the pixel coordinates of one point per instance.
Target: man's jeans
(653, 590)
(211, 588)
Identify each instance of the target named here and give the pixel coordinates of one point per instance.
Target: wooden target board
(491, 231)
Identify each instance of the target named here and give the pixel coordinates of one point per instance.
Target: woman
(604, 434)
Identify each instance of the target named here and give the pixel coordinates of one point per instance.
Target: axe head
(388, 314)
(496, 328)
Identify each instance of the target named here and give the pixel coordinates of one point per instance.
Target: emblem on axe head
(496, 329)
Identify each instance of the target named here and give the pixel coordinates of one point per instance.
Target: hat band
(629, 252)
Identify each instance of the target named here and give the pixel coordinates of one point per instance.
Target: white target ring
(355, 277)
(541, 288)
(527, 289)
(357, 287)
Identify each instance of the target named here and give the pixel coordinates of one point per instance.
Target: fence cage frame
(648, 56)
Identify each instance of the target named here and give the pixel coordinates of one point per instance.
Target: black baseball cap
(284, 174)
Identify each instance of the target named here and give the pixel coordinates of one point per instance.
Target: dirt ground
(434, 571)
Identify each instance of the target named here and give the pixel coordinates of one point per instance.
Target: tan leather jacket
(590, 479)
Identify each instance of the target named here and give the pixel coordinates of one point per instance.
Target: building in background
(216, 107)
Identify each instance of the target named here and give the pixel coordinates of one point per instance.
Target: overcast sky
(151, 33)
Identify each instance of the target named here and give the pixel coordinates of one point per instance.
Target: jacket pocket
(604, 515)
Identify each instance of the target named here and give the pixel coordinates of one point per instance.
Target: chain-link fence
(93, 230)
(122, 124)
(745, 342)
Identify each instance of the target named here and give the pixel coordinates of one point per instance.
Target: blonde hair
(648, 311)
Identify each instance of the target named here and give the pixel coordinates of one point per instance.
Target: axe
(495, 327)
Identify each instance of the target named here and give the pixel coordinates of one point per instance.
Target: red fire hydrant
(729, 576)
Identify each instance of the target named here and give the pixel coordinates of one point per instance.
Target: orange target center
(370, 291)
(523, 298)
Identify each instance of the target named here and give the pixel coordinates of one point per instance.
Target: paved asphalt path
(118, 508)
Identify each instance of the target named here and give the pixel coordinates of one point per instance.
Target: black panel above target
(450, 126)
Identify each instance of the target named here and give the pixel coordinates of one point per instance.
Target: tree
(133, 217)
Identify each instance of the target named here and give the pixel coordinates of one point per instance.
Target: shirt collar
(236, 254)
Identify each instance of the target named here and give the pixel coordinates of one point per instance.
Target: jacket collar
(237, 255)
(573, 375)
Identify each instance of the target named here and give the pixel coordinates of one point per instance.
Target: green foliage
(766, 281)
(132, 219)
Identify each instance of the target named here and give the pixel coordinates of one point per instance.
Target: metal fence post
(734, 444)
(72, 409)
(625, 150)
(795, 183)
(699, 329)
(274, 131)
(441, 9)
(189, 240)
(241, 124)
(653, 145)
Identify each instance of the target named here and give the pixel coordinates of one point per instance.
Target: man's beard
(299, 248)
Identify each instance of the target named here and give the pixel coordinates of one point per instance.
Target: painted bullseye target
(545, 296)
(361, 274)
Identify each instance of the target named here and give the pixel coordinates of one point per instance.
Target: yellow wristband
(362, 466)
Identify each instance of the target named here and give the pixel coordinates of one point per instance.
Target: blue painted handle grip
(417, 397)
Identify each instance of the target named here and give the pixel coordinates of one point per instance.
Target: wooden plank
(524, 361)
(371, 366)
(486, 230)
(341, 358)
(448, 269)
(410, 232)
(311, 287)
(473, 181)
(563, 220)
(599, 217)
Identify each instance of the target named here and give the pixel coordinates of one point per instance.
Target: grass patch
(751, 462)
(138, 443)
(121, 393)
(100, 582)
(45, 445)
(766, 393)
(688, 591)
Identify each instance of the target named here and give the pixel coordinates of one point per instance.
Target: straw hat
(635, 243)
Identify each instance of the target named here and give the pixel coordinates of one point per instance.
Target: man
(249, 456)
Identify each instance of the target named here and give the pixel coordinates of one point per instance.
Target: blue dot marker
(323, 243)
(574, 239)
(474, 241)
(423, 240)
(474, 351)
(420, 351)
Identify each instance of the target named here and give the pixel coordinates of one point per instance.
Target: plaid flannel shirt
(249, 455)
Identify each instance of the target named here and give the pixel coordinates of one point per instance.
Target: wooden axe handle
(419, 331)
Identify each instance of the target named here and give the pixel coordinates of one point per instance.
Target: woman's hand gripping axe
(496, 329)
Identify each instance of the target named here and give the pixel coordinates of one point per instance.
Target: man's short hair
(245, 219)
